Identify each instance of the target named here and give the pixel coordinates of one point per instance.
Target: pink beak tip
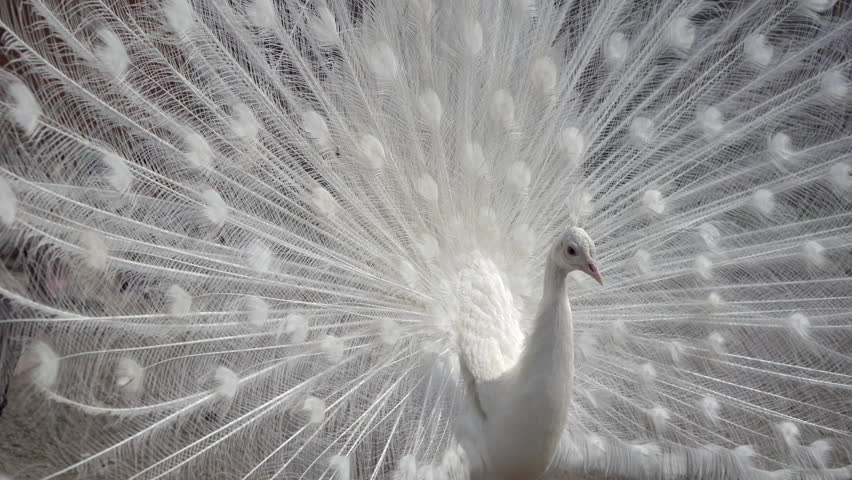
(594, 272)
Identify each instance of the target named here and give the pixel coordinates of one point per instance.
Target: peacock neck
(554, 285)
(545, 373)
(550, 344)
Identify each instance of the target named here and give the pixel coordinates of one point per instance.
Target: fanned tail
(237, 236)
(724, 202)
(196, 251)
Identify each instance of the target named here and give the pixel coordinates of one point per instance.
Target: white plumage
(334, 239)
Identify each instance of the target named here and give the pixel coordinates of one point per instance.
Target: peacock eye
(571, 251)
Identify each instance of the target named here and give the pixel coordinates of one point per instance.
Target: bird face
(575, 250)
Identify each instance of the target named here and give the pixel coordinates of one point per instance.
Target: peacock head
(575, 250)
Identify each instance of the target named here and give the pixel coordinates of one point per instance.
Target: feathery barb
(265, 239)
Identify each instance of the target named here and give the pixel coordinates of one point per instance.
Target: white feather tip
(216, 210)
(258, 310)
(179, 300)
(8, 203)
(111, 53)
(342, 466)
(333, 348)
(40, 363)
(315, 408)
(324, 27)
(129, 375)
(25, 110)
(226, 382)
(178, 16)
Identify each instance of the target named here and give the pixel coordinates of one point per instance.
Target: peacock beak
(592, 269)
